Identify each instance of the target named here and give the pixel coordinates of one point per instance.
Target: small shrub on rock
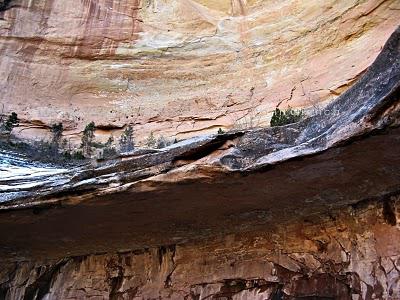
(109, 149)
(163, 142)
(126, 141)
(160, 142)
(289, 116)
(8, 123)
(56, 131)
(78, 155)
(87, 139)
(151, 141)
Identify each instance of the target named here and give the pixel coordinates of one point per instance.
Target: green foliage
(109, 150)
(87, 139)
(67, 155)
(56, 131)
(126, 141)
(160, 142)
(109, 142)
(12, 121)
(8, 124)
(289, 116)
(78, 155)
(89, 129)
(163, 142)
(109, 153)
(220, 131)
(106, 150)
(43, 150)
(151, 141)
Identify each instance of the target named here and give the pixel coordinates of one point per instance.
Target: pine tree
(151, 141)
(126, 141)
(56, 130)
(87, 139)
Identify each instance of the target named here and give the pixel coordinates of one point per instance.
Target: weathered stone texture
(304, 211)
(350, 255)
(181, 67)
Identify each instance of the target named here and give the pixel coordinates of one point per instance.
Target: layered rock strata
(303, 211)
(180, 68)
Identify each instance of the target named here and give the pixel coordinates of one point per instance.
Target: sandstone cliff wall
(305, 211)
(181, 67)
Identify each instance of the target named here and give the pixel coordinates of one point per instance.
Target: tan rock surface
(304, 211)
(181, 67)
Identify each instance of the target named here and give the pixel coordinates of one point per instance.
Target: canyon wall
(305, 211)
(350, 255)
(180, 67)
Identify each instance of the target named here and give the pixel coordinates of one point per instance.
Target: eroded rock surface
(369, 107)
(353, 254)
(181, 67)
(304, 211)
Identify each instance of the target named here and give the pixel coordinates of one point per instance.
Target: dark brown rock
(346, 255)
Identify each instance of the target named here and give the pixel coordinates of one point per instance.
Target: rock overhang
(219, 184)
